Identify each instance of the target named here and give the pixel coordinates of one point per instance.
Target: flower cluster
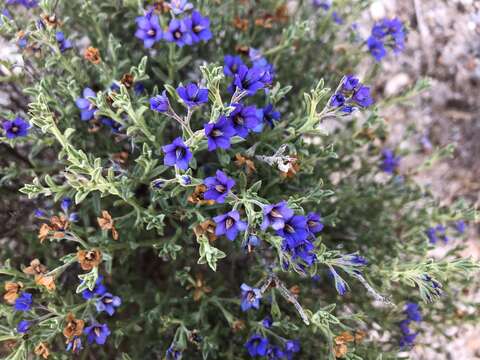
(413, 314)
(188, 30)
(387, 33)
(260, 346)
(350, 95)
(439, 232)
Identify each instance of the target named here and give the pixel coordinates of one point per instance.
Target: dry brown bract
(74, 327)
(200, 287)
(42, 350)
(292, 167)
(47, 281)
(106, 223)
(51, 20)
(342, 340)
(35, 268)
(206, 228)
(12, 291)
(88, 259)
(243, 161)
(240, 24)
(127, 80)
(161, 6)
(238, 325)
(197, 196)
(93, 55)
(43, 232)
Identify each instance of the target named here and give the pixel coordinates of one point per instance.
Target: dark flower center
(151, 32)
(197, 28)
(90, 255)
(251, 297)
(97, 331)
(217, 133)
(14, 129)
(107, 300)
(229, 223)
(275, 214)
(180, 153)
(239, 120)
(312, 223)
(289, 229)
(177, 34)
(220, 188)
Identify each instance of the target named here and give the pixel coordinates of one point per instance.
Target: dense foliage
(210, 179)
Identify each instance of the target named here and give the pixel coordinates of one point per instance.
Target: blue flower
(232, 65)
(108, 303)
(179, 6)
(340, 284)
(87, 107)
(249, 80)
(23, 326)
(229, 224)
(177, 154)
(172, 353)
(252, 242)
(350, 83)
(291, 347)
(75, 345)
(390, 162)
(65, 204)
(179, 32)
(218, 187)
(376, 48)
(63, 44)
(432, 235)
(257, 345)
(275, 353)
(460, 226)
(322, 4)
(337, 100)
(98, 290)
(337, 19)
(267, 322)
(250, 297)
(160, 103)
(148, 29)
(295, 230)
(276, 215)
(23, 302)
(412, 310)
(219, 133)
(97, 333)
(300, 250)
(200, 28)
(26, 3)
(362, 96)
(243, 119)
(314, 223)
(192, 95)
(270, 115)
(15, 128)
(114, 126)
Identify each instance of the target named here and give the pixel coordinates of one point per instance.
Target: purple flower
(376, 48)
(23, 326)
(172, 353)
(177, 154)
(108, 303)
(340, 284)
(229, 224)
(26, 3)
(15, 128)
(23, 302)
(249, 80)
(114, 126)
(276, 215)
(337, 100)
(432, 235)
(412, 310)
(295, 230)
(390, 162)
(270, 115)
(87, 107)
(232, 65)
(275, 353)
(75, 345)
(291, 347)
(160, 103)
(63, 44)
(219, 134)
(322, 4)
(97, 333)
(257, 345)
(192, 95)
(250, 297)
(243, 119)
(218, 187)
(314, 223)
(350, 83)
(252, 242)
(353, 260)
(267, 322)
(98, 290)
(65, 204)
(179, 6)
(179, 32)
(200, 28)
(460, 226)
(362, 96)
(148, 29)
(300, 250)
(337, 19)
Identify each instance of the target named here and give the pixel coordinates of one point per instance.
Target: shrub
(212, 180)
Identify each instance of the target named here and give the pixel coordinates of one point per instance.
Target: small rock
(396, 84)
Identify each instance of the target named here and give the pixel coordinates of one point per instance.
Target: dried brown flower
(266, 21)
(238, 325)
(50, 20)
(242, 49)
(341, 341)
(240, 24)
(106, 223)
(47, 281)
(293, 167)
(197, 196)
(42, 350)
(127, 80)
(35, 268)
(161, 6)
(93, 55)
(43, 232)
(200, 288)
(88, 259)
(73, 327)
(295, 290)
(120, 157)
(340, 350)
(243, 161)
(206, 228)
(12, 291)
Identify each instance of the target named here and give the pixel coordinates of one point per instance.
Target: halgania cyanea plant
(211, 180)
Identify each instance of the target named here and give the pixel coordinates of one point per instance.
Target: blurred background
(443, 45)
